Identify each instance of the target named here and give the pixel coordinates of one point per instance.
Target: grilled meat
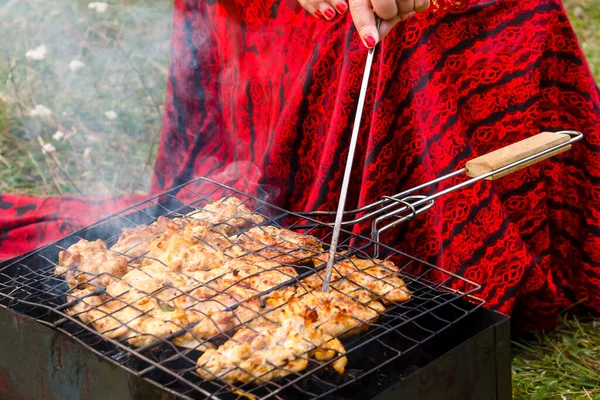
(90, 264)
(334, 313)
(134, 242)
(274, 244)
(269, 352)
(198, 275)
(228, 215)
(363, 279)
(282, 341)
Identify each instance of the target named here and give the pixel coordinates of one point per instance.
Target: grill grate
(30, 286)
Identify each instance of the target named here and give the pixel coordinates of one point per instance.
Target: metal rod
(342, 202)
(385, 202)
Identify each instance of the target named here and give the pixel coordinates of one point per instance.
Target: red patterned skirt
(261, 93)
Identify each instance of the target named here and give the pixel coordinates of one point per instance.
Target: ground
(81, 93)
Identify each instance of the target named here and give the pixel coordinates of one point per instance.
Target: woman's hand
(363, 14)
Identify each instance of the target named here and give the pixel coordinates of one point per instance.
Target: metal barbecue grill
(439, 300)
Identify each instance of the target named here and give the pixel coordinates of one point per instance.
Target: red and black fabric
(263, 95)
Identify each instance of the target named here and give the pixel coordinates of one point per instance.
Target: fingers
(404, 7)
(308, 7)
(422, 5)
(385, 9)
(340, 5)
(327, 9)
(387, 26)
(363, 14)
(364, 20)
(332, 8)
(390, 11)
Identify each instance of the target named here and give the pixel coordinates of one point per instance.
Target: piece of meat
(179, 243)
(177, 251)
(160, 324)
(206, 328)
(134, 241)
(208, 306)
(152, 302)
(204, 297)
(228, 215)
(84, 302)
(117, 320)
(214, 319)
(239, 282)
(334, 313)
(363, 279)
(266, 353)
(138, 307)
(88, 263)
(112, 318)
(270, 243)
(287, 334)
(281, 342)
(152, 280)
(233, 282)
(134, 316)
(216, 316)
(259, 276)
(281, 237)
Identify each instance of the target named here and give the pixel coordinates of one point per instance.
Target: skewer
(345, 183)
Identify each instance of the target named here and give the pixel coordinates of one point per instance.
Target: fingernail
(370, 41)
(318, 14)
(329, 13)
(342, 7)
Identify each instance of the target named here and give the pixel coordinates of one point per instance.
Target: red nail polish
(342, 7)
(318, 14)
(370, 40)
(329, 13)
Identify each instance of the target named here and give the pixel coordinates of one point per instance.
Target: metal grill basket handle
(408, 204)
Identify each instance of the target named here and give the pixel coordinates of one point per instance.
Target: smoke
(245, 177)
(98, 70)
(240, 179)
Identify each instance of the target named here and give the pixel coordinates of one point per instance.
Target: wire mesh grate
(218, 295)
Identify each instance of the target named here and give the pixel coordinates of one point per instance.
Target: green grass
(585, 17)
(564, 364)
(125, 51)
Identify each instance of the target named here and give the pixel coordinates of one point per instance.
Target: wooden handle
(515, 152)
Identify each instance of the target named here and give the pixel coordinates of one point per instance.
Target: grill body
(470, 360)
